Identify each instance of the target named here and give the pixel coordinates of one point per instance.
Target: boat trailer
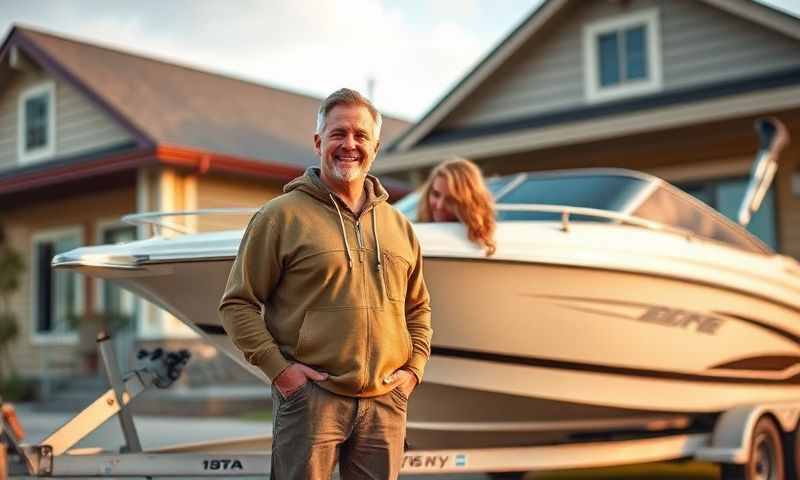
(736, 442)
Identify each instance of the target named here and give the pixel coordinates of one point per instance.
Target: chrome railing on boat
(567, 211)
(156, 219)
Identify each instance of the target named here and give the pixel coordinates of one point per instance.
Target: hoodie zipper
(358, 235)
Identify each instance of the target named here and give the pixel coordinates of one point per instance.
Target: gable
(80, 126)
(700, 45)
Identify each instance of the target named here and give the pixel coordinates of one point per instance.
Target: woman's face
(439, 201)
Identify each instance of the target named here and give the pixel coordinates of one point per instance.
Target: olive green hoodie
(331, 301)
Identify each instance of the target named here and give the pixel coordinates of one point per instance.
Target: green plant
(17, 389)
(12, 267)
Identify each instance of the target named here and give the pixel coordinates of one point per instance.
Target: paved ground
(154, 431)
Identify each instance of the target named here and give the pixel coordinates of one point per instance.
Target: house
(88, 134)
(670, 87)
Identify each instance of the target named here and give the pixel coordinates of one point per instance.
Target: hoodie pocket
(332, 340)
(395, 273)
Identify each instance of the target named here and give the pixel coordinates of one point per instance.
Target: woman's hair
(469, 198)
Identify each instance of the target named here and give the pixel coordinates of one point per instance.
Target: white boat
(616, 305)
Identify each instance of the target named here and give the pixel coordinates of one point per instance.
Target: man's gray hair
(346, 96)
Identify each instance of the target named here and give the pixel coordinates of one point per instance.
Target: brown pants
(314, 428)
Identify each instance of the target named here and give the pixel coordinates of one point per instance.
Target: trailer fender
(732, 435)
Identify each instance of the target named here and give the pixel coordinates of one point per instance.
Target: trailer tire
(792, 454)
(765, 461)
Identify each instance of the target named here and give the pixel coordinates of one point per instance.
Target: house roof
(164, 104)
(749, 9)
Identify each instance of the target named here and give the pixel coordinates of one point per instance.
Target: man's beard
(349, 174)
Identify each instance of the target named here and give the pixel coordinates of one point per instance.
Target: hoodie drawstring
(378, 251)
(344, 233)
(374, 234)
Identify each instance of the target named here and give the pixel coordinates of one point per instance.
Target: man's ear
(377, 147)
(317, 145)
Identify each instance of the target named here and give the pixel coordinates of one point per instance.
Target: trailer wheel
(793, 454)
(765, 461)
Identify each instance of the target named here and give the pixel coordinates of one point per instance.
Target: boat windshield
(624, 194)
(669, 206)
(604, 192)
(612, 193)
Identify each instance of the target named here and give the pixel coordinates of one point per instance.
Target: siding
(20, 225)
(81, 126)
(220, 192)
(699, 45)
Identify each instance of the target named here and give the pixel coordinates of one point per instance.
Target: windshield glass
(611, 192)
(604, 192)
(672, 207)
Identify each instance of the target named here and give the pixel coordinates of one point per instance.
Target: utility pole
(371, 88)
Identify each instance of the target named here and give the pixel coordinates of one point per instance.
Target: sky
(414, 50)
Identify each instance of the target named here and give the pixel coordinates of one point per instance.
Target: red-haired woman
(455, 191)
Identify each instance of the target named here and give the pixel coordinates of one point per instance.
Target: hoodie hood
(310, 183)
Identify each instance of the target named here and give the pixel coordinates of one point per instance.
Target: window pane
(117, 301)
(36, 121)
(57, 291)
(609, 62)
(44, 303)
(635, 53)
(67, 287)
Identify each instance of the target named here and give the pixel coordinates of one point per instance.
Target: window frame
(50, 338)
(101, 227)
(593, 90)
(48, 150)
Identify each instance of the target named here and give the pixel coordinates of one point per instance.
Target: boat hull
(529, 353)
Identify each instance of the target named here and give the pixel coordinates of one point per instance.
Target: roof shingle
(177, 105)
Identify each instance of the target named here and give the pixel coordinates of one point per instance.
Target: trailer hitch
(166, 367)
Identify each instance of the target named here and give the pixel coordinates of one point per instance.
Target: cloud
(312, 46)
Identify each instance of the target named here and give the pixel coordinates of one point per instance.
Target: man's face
(347, 146)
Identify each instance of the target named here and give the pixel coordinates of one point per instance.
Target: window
(121, 305)
(58, 294)
(622, 56)
(36, 123)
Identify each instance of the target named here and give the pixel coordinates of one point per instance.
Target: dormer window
(37, 123)
(622, 56)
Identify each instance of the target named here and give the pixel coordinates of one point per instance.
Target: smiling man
(326, 296)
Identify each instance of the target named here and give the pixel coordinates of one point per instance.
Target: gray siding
(699, 45)
(81, 126)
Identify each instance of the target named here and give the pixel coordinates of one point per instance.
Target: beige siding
(699, 44)
(20, 225)
(221, 192)
(789, 203)
(81, 126)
